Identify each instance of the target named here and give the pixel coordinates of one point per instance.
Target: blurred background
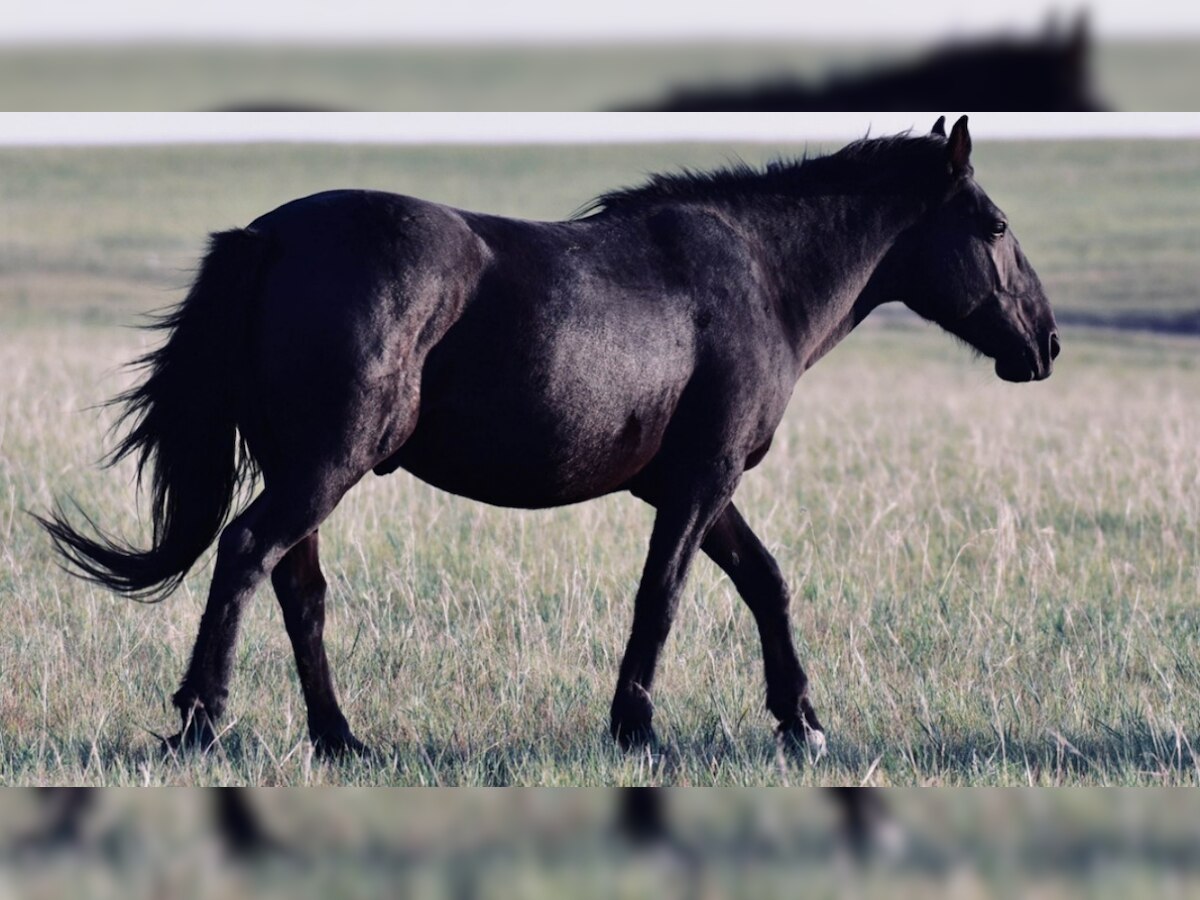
(542, 55)
(554, 843)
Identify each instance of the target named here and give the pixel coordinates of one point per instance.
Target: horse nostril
(1055, 346)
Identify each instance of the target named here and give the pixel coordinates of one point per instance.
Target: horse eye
(999, 227)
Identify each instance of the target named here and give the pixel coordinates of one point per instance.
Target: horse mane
(869, 164)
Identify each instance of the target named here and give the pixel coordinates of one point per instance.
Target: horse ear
(959, 147)
(939, 127)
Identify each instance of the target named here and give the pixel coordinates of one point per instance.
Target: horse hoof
(633, 732)
(339, 744)
(191, 738)
(797, 733)
(817, 744)
(631, 719)
(635, 737)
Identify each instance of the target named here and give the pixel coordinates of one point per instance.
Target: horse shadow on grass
(701, 757)
(709, 753)
(1134, 753)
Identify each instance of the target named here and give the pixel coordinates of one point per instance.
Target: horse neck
(822, 253)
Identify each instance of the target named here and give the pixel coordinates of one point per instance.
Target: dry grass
(994, 585)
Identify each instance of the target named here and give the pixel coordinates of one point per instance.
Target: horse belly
(520, 460)
(529, 440)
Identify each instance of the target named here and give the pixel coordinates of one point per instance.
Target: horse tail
(182, 429)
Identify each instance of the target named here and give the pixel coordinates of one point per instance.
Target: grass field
(994, 584)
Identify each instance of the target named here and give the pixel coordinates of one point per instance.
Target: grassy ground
(994, 584)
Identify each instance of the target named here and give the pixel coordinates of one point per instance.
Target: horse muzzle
(1035, 364)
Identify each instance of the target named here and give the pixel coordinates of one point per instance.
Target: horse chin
(1015, 370)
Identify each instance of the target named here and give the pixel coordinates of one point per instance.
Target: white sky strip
(473, 128)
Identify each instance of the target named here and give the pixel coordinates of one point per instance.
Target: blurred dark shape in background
(238, 825)
(864, 818)
(266, 104)
(1047, 73)
(642, 818)
(1061, 68)
(555, 842)
(66, 811)
(641, 815)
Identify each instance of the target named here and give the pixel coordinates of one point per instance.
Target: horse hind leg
(250, 547)
(300, 588)
(335, 430)
(299, 494)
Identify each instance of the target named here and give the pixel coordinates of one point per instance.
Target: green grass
(994, 584)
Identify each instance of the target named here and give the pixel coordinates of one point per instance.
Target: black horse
(649, 345)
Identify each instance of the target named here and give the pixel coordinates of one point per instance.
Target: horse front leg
(682, 521)
(737, 550)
